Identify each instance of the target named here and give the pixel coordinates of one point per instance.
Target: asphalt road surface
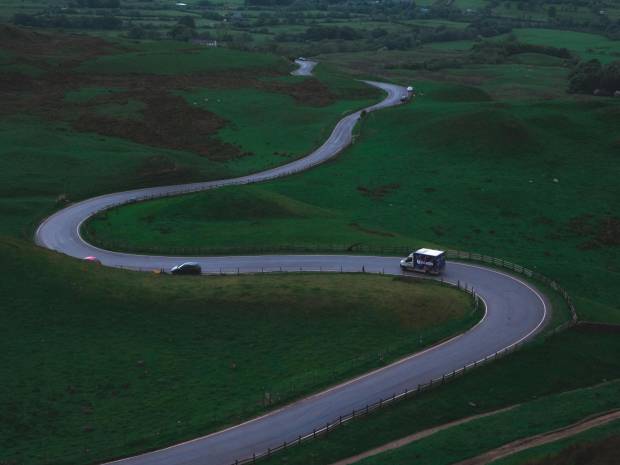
(305, 67)
(515, 312)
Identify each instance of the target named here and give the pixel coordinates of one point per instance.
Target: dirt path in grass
(417, 436)
(500, 452)
(542, 439)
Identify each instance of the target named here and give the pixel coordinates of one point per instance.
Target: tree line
(592, 77)
(68, 22)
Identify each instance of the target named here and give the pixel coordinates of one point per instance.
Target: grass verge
(598, 446)
(481, 435)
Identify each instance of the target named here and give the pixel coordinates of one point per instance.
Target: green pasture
(534, 378)
(100, 363)
(437, 23)
(475, 437)
(588, 445)
(455, 45)
(44, 164)
(168, 57)
(586, 45)
(471, 4)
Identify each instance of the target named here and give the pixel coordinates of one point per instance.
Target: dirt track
(544, 438)
(417, 436)
(501, 452)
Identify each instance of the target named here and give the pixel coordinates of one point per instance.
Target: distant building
(204, 42)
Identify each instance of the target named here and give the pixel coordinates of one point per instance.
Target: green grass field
(455, 169)
(587, 46)
(99, 363)
(473, 438)
(168, 57)
(596, 446)
(576, 359)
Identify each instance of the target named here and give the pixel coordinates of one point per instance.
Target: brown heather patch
(378, 192)
(602, 232)
(168, 121)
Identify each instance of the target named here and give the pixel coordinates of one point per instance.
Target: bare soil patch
(378, 192)
(168, 121)
(601, 232)
(373, 232)
(37, 48)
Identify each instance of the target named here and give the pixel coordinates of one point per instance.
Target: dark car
(186, 268)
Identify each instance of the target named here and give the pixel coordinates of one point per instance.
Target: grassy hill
(99, 363)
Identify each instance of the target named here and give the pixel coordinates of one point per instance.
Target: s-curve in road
(514, 312)
(305, 67)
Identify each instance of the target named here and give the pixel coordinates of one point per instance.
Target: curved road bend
(515, 312)
(305, 67)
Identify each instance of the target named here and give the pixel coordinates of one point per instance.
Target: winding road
(515, 310)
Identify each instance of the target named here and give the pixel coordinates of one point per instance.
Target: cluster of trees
(499, 52)
(184, 30)
(96, 4)
(592, 77)
(380, 38)
(268, 2)
(68, 22)
(331, 33)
